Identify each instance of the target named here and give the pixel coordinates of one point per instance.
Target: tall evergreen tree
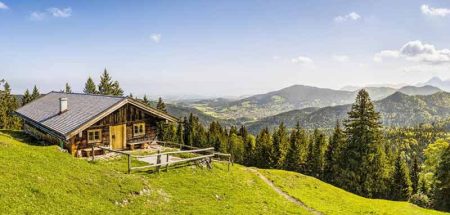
(26, 97)
(318, 154)
(442, 187)
(401, 186)
(332, 155)
(293, 160)
(8, 104)
(415, 170)
(161, 105)
(364, 170)
(67, 88)
(89, 87)
(146, 101)
(109, 87)
(263, 149)
(35, 93)
(280, 140)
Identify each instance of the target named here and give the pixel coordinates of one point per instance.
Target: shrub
(420, 199)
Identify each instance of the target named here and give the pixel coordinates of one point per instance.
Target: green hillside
(39, 179)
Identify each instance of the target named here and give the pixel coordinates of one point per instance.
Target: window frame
(139, 126)
(92, 132)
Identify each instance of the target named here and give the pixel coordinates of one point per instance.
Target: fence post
(93, 152)
(229, 161)
(167, 163)
(129, 163)
(158, 161)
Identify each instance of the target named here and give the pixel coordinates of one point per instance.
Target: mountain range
(397, 109)
(294, 98)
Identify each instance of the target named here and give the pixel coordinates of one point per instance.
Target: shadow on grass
(23, 137)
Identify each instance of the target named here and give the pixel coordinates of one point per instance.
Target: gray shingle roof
(81, 109)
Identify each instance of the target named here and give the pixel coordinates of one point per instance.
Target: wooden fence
(205, 154)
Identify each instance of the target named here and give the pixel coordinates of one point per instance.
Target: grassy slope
(318, 195)
(38, 179)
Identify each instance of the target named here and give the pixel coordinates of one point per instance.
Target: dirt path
(284, 194)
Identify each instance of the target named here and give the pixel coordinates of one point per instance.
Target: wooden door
(117, 136)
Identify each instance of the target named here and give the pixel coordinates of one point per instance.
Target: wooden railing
(207, 157)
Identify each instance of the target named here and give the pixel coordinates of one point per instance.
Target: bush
(420, 199)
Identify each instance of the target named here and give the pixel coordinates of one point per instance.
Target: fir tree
(415, 175)
(146, 101)
(332, 155)
(105, 85)
(318, 154)
(293, 160)
(26, 97)
(89, 87)
(35, 93)
(67, 88)
(364, 169)
(280, 140)
(109, 87)
(263, 149)
(161, 105)
(8, 104)
(442, 187)
(401, 186)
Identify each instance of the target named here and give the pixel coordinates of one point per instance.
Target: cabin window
(94, 135)
(139, 129)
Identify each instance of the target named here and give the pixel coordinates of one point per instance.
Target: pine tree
(415, 175)
(109, 87)
(364, 169)
(293, 160)
(442, 187)
(26, 97)
(116, 90)
(8, 103)
(146, 101)
(263, 149)
(161, 105)
(332, 155)
(401, 185)
(318, 154)
(180, 133)
(35, 93)
(89, 87)
(280, 140)
(105, 85)
(309, 165)
(68, 89)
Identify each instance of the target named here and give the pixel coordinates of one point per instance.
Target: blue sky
(223, 48)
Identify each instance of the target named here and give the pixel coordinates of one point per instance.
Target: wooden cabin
(82, 122)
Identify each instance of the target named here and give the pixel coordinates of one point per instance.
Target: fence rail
(208, 157)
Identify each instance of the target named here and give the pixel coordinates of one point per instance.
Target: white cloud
(430, 11)
(341, 58)
(3, 6)
(417, 51)
(302, 60)
(156, 38)
(353, 16)
(62, 13)
(37, 16)
(385, 54)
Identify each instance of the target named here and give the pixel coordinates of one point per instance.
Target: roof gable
(83, 110)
